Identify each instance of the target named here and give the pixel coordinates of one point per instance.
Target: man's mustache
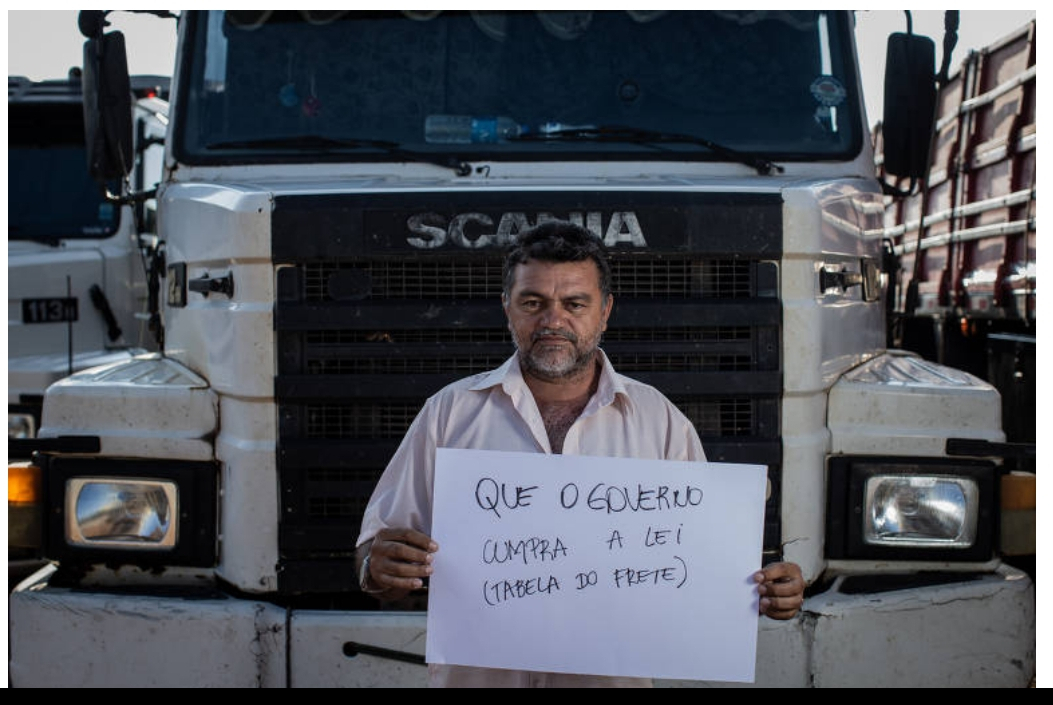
(546, 332)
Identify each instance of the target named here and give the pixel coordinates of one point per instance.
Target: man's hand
(399, 560)
(781, 588)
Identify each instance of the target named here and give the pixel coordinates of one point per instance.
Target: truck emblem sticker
(478, 230)
(828, 91)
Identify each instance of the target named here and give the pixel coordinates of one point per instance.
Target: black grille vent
(373, 420)
(729, 348)
(398, 365)
(402, 279)
(330, 338)
(336, 507)
(720, 417)
(444, 280)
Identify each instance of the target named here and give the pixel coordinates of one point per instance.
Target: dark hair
(557, 241)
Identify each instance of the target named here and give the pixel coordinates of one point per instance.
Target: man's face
(557, 314)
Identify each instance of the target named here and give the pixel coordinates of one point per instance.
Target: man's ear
(607, 309)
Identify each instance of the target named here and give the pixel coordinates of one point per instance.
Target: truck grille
(365, 338)
(465, 280)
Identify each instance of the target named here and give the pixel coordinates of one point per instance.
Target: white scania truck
(338, 189)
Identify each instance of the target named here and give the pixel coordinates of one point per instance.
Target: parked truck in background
(963, 247)
(76, 283)
(338, 190)
(75, 267)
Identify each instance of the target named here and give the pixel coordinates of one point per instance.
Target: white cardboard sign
(607, 566)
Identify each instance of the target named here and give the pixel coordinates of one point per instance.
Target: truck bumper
(977, 632)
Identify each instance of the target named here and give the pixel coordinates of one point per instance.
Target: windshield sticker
(828, 91)
(288, 95)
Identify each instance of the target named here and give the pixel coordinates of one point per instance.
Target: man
(557, 394)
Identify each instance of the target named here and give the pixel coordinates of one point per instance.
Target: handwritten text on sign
(609, 566)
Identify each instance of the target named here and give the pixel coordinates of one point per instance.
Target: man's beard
(556, 364)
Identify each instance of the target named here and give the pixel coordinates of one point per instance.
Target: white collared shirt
(496, 411)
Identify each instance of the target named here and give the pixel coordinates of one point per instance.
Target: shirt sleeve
(684, 439)
(402, 496)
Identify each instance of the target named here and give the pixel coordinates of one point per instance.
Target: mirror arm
(130, 199)
(950, 40)
(890, 190)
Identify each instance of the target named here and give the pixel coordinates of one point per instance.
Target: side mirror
(910, 104)
(107, 93)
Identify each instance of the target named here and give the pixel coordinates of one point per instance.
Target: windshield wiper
(321, 142)
(636, 135)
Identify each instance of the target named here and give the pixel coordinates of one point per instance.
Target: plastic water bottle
(552, 128)
(467, 129)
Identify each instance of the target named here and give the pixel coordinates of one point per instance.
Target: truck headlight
(122, 513)
(940, 509)
(920, 510)
(130, 512)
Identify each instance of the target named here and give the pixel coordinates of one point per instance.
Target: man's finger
(410, 537)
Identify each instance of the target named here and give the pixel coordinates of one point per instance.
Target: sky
(44, 44)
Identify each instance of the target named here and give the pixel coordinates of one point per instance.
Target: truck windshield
(50, 193)
(266, 85)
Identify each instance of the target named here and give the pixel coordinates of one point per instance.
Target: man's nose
(552, 317)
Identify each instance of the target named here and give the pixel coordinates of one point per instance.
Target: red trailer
(962, 283)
